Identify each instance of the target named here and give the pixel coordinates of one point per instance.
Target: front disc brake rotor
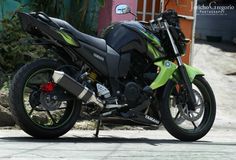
(199, 109)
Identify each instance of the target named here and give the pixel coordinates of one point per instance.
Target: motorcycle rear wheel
(184, 124)
(28, 109)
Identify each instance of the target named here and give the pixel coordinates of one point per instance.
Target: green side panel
(193, 72)
(154, 52)
(153, 38)
(167, 68)
(67, 38)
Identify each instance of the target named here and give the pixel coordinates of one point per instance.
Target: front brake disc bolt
(48, 99)
(54, 97)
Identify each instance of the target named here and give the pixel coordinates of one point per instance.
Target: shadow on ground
(224, 46)
(110, 139)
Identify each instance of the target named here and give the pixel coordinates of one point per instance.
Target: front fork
(182, 70)
(188, 85)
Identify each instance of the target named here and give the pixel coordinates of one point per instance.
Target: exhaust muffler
(75, 88)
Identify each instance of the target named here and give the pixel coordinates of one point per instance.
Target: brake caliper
(47, 87)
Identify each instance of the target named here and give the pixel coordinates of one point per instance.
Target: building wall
(104, 16)
(223, 26)
(107, 14)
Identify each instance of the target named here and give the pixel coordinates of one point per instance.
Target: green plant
(14, 51)
(51, 7)
(82, 14)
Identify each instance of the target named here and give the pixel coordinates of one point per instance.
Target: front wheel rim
(196, 124)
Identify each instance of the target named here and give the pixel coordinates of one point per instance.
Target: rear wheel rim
(39, 115)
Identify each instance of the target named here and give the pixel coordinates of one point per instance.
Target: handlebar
(170, 16)
(181, 17)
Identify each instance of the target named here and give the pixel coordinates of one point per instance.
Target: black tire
(20, 113)
(174, 124)
(2, 78)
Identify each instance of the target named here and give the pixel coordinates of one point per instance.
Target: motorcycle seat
(93, 41)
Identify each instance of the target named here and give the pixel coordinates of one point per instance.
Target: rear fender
(39, 28)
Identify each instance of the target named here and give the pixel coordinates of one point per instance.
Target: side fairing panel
(167, 68)
(94, 57)
(112, 60)
(105, 63)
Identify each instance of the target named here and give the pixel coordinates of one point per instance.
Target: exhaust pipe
(75, 88)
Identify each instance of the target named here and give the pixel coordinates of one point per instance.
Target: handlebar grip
(182, 17)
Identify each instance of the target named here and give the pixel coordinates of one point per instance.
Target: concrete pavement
(218, 62)
(117, 144)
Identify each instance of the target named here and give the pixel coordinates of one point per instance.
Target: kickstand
(98, 127)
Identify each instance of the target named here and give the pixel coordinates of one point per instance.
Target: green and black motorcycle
(134, 72)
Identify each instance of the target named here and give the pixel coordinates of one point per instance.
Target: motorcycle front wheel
(179, 121)
(35, 111)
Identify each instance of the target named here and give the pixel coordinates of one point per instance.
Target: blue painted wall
(8, 7)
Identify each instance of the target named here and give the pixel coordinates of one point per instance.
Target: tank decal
(153, 51)
(151, 37)
(67, 38)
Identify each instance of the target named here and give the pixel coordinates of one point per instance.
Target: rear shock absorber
(92, 76)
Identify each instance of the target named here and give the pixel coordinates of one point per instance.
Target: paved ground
(219, 64)
(114, 145)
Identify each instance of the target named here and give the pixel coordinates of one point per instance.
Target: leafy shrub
(14, 49)
(82, 14)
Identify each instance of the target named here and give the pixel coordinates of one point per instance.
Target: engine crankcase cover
(132, 92)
